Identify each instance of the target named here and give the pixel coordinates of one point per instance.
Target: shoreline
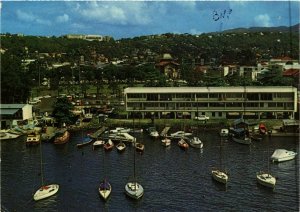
(190, 125)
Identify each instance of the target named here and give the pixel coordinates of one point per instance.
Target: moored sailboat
(105, 187)
(45, 190)
(265, 178)
(133, 189)
(219, 174)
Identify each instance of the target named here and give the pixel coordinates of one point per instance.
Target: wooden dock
(98, 132)
(165, 131)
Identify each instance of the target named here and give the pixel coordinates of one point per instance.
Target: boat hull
(166, 142)
(134, 190)
(121, 147)
(266, 179)
(219, 176)
(98, 144)
(183, 144)
(139, 147)
(281, 155)
(246, 140)
(224, 132)
(105, 190)
(62, 139)
(46, 191)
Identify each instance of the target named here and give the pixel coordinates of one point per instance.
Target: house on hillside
(168, 66)
(11, 112)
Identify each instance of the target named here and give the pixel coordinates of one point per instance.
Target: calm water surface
(173, 180)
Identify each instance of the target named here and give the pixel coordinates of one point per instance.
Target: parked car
(202, 118)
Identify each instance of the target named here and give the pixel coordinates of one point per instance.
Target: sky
(127, 19)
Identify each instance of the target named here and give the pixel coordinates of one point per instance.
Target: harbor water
(173, 179)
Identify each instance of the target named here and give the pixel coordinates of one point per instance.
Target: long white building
(215, 102)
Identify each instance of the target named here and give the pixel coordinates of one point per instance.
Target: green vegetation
(19, 82)
(62, 112)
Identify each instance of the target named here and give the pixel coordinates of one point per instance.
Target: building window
(266, 96)
(152, 97)
(202, 96)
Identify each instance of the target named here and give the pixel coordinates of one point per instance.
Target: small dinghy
(98, 144)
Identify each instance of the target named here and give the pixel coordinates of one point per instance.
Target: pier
(164, 131)
(98, 132)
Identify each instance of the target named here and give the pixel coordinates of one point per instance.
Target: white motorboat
(196, 142)
(224, 132)
(180, 134)
(281, 155)
(98, 143)
(266, 179)
(219, 176)
(125, 137)
(33, 139)
(166, 142)
(120, 130)
(6, 135)
(153, 132)
(134, 190)
(105, 189)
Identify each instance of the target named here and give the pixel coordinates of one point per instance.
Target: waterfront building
(216, 102)
(11, 112)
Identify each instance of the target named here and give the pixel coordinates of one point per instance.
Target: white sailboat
(134, 189)
(265, 178)
(105, 187)
(45, 190)
(219, 174)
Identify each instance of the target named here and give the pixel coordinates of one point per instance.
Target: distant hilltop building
(89, 37)
(168, 66)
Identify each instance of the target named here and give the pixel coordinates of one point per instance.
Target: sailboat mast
(268, 155)
(41, 164)
(134, 152)
(134, 147)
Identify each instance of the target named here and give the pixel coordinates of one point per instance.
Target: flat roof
(249, 89)
(12, 106)
(8, 111)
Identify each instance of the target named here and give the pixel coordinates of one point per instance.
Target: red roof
(164, 63)
(283, 58)
(291, 72)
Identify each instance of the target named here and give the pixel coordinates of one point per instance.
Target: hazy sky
(122, 19)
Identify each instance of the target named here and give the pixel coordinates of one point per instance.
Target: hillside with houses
(233, 58)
